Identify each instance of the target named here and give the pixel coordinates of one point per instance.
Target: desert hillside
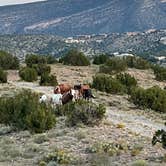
(124, 124)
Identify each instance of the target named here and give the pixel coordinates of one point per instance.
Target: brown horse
(62, 88)
(67, 97)
(84, 91)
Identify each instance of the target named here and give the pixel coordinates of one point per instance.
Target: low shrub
(137, 62)
(48, 80)
(3, 76)
(153, 98)
(159, 72)
(41, 69)
(28, 74)
(113, 66)
(107, 84)
(51, 59)
(82, 112)
(8, 61)
(75, 58)
(100, 59)
(160, 136)
(32, 59)
(24, 112)
(127, 80)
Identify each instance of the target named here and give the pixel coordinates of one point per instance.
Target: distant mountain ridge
(75, 17)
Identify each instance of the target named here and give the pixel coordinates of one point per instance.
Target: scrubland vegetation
(82, 112)
(28, 74)
(100, 59)
(3, 76)
(122, 83)
(75, 58)
(153, 98)
(22, 111)
(48, 80)
(8, 61)
(113, 66)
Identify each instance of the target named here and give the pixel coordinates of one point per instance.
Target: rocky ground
(124, 124)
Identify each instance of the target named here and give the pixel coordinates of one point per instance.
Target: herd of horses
(64, 93)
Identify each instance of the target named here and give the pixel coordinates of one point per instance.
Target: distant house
(117, 54)
(160, 58)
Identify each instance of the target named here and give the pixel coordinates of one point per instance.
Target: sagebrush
(82, 112)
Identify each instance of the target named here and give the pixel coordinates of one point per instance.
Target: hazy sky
(10, 2)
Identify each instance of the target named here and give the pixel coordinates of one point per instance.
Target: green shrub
(24, 111)
(75, 58)
(127, 80)
(51, 59)
(48, 80)
(100, 59)
(107, 84)
(137, 62)
(113, 65)
(3, 76)
(154, 98)
(8, 61)
(28, 74)
(35, 59)
(82, 112)
(159, 72)
(160, 136)
(41, 68)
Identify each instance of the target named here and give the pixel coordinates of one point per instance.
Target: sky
(11, 2)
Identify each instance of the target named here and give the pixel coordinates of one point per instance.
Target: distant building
(160, 58)
(116, 54)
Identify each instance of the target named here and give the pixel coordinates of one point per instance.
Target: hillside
(75, 17)
(124, 124)
(144, 44)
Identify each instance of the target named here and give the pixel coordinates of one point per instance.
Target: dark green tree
(24, 112)
(113, 65)
(100, 59)
(28, 74)
(8, 61)
(32, 59)
(48, 80)
(127, 80)
(3, 76)
(75, 58)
